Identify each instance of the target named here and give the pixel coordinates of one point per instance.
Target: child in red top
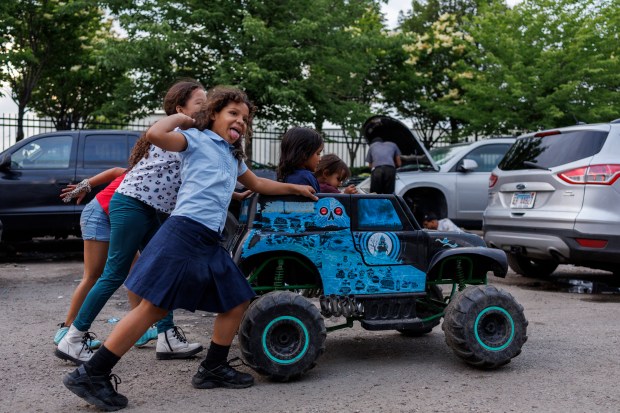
(95, 226)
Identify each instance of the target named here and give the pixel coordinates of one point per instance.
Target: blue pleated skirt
(184, 266)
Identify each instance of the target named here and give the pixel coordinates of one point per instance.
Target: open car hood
(414, 155)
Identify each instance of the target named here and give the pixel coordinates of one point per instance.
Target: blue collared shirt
(209, 172)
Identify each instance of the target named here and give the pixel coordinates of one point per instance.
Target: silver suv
(451, 181)
(554, 199)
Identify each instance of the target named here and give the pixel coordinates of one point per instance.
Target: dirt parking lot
(569, 363)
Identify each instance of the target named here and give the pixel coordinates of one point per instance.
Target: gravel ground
(569, 363)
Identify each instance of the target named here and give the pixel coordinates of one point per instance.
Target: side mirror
(5, 163)
(468, 165)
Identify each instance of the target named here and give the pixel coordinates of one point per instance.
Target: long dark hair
(298, 144)
(217, 99)
(178, 95)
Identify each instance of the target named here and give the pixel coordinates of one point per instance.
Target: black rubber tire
(485, 326)
(281, 335)
(435, 292)
(530, 267)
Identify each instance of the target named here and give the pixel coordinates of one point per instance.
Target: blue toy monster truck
(365, 258)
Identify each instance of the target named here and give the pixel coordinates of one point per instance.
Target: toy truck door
(388, 244)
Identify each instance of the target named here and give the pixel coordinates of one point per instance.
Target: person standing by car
(383, 159)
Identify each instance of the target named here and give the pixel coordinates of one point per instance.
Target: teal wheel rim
(494, 328)
(285, 340)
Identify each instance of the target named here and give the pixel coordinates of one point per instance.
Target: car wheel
(530, 267)
(485, 326)
(436, 293)
(281, 335)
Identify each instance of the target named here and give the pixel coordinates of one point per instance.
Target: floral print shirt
(155, 180)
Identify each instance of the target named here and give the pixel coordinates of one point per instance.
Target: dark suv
(554, 199)
(365, 258)
(33, 171)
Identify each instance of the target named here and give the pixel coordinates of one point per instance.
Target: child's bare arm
(163, 133)
(269, 187)
(240, 196)
(80, 190)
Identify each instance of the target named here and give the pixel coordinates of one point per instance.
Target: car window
(52, 152)
(553, 150)
(377, 214)
(105, 150)
(488, 156)
(443, 154)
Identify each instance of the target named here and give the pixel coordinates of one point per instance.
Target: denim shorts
(94, 222)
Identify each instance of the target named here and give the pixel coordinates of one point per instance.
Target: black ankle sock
(101, 363)
(216, 355)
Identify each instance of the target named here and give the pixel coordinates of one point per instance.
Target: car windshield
(443, 154)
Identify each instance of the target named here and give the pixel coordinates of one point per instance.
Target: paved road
(569, 364)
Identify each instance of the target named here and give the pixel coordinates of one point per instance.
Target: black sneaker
(96, 390)
(221, 376)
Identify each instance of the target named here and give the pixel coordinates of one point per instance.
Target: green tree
(76, 92)
(424, 78)
(35, 38)
(301, 62)
(542, 64)
(312, 61)
(166, 41)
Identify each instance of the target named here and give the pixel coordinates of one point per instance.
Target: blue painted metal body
(359, 245)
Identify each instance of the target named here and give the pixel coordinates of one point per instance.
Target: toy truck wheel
(281, 335)
(485, 326)
(436, 293)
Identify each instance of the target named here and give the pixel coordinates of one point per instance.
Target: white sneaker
(75, 346)
(173, 345)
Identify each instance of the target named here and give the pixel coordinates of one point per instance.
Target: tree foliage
(542, 64)
(82, 85)
(37, 39)
(453, 67)
(425, 78)
(300, 61)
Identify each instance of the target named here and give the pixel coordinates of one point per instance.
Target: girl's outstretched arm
(269, 187)
(80, 190)
(163, 133)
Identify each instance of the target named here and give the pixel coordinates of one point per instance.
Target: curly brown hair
(178, 95)
(217, 99)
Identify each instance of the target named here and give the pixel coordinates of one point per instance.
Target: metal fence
(265, 143)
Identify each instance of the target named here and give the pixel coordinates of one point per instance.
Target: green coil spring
(459, 274)
(278, 280)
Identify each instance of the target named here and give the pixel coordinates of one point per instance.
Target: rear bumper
(559, 245)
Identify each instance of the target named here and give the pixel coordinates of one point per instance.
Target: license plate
(523, 200)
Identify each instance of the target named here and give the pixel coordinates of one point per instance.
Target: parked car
(449, 181)
(33, 171)
(365, 258)
(554, 199)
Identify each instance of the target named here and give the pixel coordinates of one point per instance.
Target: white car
(449, 181)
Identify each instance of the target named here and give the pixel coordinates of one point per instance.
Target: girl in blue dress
(184, 266)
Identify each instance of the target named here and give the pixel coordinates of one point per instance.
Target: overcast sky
(391, 10)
